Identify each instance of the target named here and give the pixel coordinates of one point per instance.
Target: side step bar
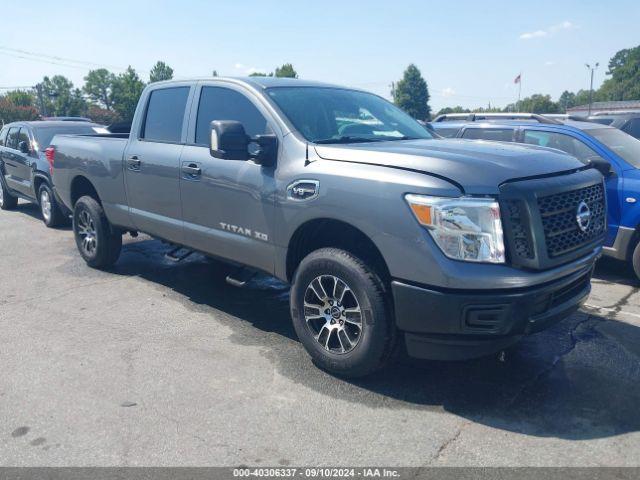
(240, 277)
(174, 256)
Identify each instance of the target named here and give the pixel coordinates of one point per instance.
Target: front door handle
(192, 169)
(134, 163)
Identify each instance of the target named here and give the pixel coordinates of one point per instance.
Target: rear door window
(165, 115)
(492, 134)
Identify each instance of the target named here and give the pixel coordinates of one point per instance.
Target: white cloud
(549, 64)
(536, 34)
(245, 70)
(566, 25)
(448, 92)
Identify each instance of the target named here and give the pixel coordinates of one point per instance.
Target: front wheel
(340, 314)
(52, 215)
(98, 244)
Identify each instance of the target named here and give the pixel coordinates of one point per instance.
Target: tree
(160, 71)
(10, 112)
(412, 94)
(538, 103)
(456, 109)
(21, 98)
(127, 89)
(215, 73)
(566, 100)
(99, 87)
(60, 99)
(102, 115)
(260, 74)
(624, 84)
(286, 71)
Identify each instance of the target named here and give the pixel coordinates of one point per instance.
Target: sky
(469, 52)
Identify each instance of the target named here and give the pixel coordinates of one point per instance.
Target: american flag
(517, 79)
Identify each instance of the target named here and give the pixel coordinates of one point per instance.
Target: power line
(56, 60)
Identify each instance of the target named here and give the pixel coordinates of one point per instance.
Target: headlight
(466, 229)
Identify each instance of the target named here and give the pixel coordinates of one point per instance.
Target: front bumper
(460, 324)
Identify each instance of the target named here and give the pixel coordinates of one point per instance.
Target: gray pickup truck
(388, 236)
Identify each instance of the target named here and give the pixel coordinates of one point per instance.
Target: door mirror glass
(24, 147)
(228, 140)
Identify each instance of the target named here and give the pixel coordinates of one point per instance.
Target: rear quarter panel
(98, 159)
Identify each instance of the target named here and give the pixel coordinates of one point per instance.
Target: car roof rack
(478, 117)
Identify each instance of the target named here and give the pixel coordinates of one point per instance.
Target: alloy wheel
(45, 205)
(87, 232)
(332, 314)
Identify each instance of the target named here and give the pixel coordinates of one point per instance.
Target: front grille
(558, 214)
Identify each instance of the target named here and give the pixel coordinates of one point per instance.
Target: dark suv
(24, 168)
(627, 122)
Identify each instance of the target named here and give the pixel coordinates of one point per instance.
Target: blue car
(589, 142)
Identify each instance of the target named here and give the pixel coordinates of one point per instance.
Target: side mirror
(24, 147)
(228, 140)
(602, 166)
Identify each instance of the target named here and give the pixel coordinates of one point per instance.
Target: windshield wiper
(347, 139)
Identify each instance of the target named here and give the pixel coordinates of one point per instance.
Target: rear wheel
(635, 261)
(340, 314)
(7, 201)
(51, 213)
(98, 244)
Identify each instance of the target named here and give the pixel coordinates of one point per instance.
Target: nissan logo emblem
(583, 216)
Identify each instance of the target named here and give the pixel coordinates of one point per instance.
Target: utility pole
(592, 69)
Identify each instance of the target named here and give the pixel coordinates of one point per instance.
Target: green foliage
(10, 112)
(624, 84)
(456, 109)
(286, 71)
(102, 115)
(412, 94)
(98, 87)
(127, 89)
(60, 98)
(160, 71)
(538, 103)
(21, 98)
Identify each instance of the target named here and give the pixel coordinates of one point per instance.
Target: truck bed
(98, 158)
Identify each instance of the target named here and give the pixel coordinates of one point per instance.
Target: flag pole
(519, 90)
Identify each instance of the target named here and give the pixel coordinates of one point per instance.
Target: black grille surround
(540, 218)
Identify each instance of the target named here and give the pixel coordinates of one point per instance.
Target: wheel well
(37, 182)
(321, 233)
(80, 187)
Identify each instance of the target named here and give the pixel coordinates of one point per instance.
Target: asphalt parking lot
(160, 364)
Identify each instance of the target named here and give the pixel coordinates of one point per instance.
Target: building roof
(617, 105)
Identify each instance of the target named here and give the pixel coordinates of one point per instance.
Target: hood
(478, 166)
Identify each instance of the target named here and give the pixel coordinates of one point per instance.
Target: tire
(97, 243)
(52, 215)
(635, 261)
(348, 285)
(7, 201)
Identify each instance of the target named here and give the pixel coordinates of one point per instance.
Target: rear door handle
(134, 163)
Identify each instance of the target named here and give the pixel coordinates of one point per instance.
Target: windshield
(619, 142)
(44, 135)
(334, 115)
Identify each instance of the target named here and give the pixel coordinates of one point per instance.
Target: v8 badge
(302, 190)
